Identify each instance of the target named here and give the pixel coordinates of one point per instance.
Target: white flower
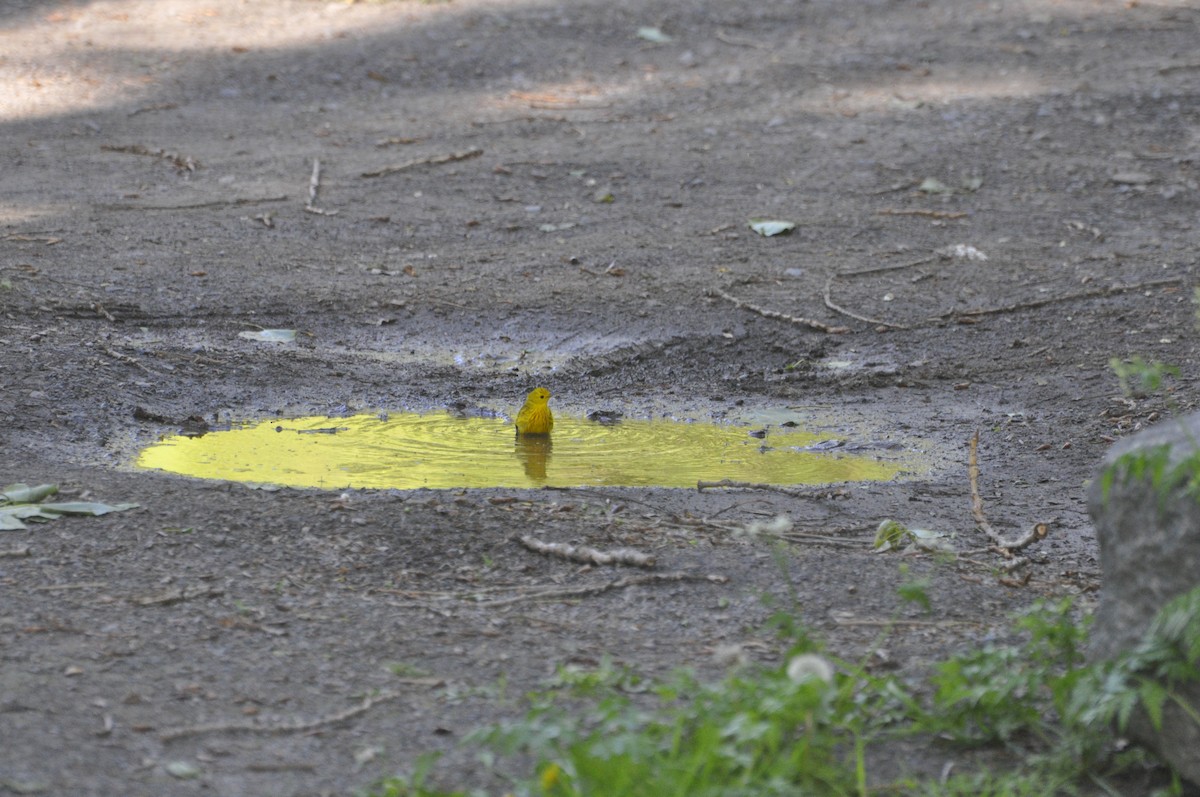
(807, 666)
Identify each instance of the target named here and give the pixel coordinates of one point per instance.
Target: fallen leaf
(932, 185)
(270, 335)
(769, 227)
(183, 770)
(89, 508)
(653, 35)
(24, 494)
(1132, 178)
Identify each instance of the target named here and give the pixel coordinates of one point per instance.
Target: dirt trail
(156, 199)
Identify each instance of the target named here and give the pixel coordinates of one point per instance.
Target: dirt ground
(155, 168)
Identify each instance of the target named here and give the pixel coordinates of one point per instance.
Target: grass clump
(811, 724)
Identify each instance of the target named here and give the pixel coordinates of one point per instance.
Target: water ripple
(442, 450)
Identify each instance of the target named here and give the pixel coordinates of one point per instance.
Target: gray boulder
(1148, 523)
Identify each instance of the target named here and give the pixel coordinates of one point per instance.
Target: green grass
(808, 726)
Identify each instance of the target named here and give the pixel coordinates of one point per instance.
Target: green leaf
(915, 591)
(184, 770)
(11, 516)
(769, 227)
(930, 540)
(890, 535)
(653, 35)
(91, 508)
(932, 185)
(24, 494)
(1153, 696)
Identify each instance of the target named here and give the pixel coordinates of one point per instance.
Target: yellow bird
(535, 416)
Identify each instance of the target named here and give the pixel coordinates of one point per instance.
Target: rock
(1148, 525)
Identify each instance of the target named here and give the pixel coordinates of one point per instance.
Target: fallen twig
(903, 623)
(432, 161)
(125, 358)
(77, 585)
(183, 163)
(799, 536)
(393, 140)
(15, 552)
(618, 556)
(1169, 68)
(976, 498)
(597, 589)
(284, 727)
(932, 214)
(38, 239)
(839, 309)
(556, 101)
(807, 322)
(178, 595)
(1112, 290)
(1004, 547)
(737, 41)
(216, 203)
(314, 185)
(895, 267)
(816, 492)
(162, 106)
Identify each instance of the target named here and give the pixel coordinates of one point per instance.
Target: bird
(535, 416)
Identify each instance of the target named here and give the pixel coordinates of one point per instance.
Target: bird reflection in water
(533, 452)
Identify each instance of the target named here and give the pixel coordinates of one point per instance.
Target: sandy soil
(155, 201)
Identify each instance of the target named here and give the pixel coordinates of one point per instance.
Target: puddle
(440, 450)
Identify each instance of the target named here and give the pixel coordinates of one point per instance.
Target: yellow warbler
(535, 417)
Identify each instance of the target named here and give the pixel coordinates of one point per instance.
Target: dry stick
(597, 589)
(314, 184)
(793, 536)
(77, 585)
(181, 162)
(21, 551)
(125, 358)
(162, 106)
(286, 727)
(839, 309)
(896, 267)
(391, 140)
(37, 239)
(735, 41)
(591, 556)
(806, 322)
(701, 486)
(1112, 290)
(433, 160)
(178, 595)
(250, 200)
(932, 214)
(1166, 70)
(1004, 547)
(900, 623)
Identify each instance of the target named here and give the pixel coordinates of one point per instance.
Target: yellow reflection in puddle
(440, 450)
